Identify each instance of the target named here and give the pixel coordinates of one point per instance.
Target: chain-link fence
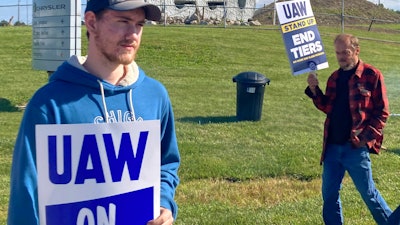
(17, 14)
(229, 13)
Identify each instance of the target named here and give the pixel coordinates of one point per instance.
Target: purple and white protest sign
(91, 174)
(300, 33)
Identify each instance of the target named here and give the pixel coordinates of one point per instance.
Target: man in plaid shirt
(357, 108)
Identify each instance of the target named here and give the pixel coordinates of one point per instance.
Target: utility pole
(342, 16)
(18, 10)
(27, 13)
(274, 19)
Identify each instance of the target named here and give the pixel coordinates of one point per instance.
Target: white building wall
(233, 11)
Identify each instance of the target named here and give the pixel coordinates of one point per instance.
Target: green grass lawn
(264, 172)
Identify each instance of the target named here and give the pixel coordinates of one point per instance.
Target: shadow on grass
(395, 151)
(6, 106)
(206, 120)
(299, 177)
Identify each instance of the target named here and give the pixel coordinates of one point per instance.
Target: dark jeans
(338, 160)
(394, 219)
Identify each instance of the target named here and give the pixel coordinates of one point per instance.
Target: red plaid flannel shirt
(369, 105)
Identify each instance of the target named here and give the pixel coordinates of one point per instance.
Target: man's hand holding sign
(313, 82)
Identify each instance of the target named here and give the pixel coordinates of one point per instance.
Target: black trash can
(250, 87)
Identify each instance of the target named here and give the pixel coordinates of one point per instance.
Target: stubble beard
(347, 65)
(118, 56)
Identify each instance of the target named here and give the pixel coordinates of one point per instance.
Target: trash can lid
(251, 77)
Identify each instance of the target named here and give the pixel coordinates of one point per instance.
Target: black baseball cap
(152, 11)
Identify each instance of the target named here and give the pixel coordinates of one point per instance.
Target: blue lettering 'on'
(54, 176)
(297, 9)
(125, 155)
(90, 151)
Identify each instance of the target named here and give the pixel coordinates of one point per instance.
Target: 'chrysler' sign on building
(56, 32)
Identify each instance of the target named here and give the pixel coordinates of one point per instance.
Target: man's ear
(358, 50)
(90, 21)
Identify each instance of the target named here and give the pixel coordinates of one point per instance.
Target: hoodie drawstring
(133, 117)
(104, 100)
(131, 106)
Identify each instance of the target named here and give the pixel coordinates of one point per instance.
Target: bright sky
(24, 13)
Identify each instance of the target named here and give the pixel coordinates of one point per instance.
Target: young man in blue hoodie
(107, 86)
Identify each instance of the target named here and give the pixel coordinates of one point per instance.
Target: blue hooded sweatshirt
(75, 96)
